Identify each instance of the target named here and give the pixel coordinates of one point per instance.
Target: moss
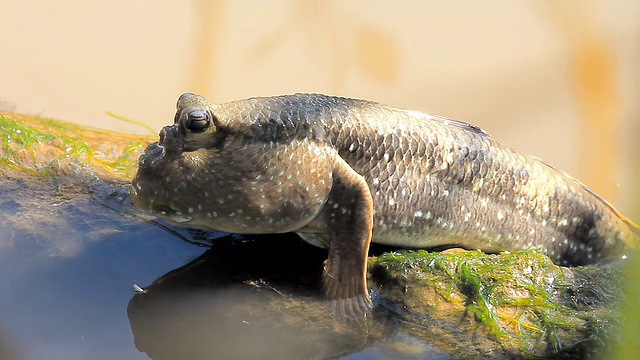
(39, 145)
(520, 300)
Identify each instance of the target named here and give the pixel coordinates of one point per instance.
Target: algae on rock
(39, 145)
(510, 304)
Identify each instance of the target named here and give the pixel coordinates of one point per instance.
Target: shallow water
(58, 303)
(69, 260)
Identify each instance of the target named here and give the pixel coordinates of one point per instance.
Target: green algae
(19, 135)
(38, 145)
(520, 302)
(131, 121)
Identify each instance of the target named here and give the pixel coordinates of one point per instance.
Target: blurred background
(555, 79)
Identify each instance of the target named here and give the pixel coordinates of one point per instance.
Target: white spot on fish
(179, 218)
(500, 216)
(392, 202)
(417, 213)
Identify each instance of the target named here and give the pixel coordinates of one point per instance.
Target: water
(70, 256)
(57, 305)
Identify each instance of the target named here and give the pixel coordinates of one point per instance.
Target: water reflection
(247, 297)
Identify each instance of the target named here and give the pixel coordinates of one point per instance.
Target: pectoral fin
(349, 217)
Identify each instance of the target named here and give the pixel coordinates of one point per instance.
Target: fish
(343, 173)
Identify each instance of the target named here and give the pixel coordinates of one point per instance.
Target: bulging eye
(197, 121)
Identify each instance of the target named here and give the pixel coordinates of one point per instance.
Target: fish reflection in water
(247, 299)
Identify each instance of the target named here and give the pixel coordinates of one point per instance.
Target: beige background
(556, 79)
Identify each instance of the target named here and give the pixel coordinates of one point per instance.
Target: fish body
(344, 172)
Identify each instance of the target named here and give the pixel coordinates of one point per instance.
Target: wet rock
(501, 306)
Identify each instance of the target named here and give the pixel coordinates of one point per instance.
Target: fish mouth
(168, 144)
(151, 155)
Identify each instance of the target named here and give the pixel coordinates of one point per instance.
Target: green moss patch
(43, 146)
(519, 302)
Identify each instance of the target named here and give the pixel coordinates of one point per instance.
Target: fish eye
(197, 121)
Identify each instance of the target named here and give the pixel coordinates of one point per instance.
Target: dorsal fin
(460, 124)
(447, 121)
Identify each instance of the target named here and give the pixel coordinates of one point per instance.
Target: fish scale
(343, 172)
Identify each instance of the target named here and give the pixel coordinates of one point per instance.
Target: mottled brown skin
(343, 172)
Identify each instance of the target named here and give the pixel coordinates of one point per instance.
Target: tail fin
(635, 229)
